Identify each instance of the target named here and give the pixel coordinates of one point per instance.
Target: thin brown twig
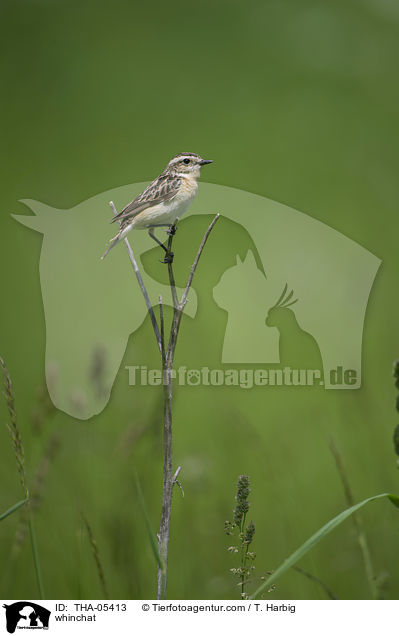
(180, 306)
(196, 260)
(176, 481)
(162, 328)
(167, 355)
(177, 471)
(167, 367)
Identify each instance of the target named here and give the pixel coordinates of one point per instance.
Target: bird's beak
(203, 162)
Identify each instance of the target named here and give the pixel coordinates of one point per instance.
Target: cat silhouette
(243, 291)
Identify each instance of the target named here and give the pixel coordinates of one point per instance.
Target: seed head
(249, 533)
(243, 488)
(13, 428)
(242, 495)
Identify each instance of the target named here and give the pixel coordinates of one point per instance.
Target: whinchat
(164, 201)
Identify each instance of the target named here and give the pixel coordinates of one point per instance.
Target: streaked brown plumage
(165, 200)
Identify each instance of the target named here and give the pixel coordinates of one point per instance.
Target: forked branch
(141, 284)
(167, 351)
(170, 478)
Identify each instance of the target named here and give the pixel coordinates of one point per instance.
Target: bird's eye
(186, 161)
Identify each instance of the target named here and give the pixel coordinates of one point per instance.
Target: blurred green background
(296, 101)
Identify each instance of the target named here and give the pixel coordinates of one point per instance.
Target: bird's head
(187, 164)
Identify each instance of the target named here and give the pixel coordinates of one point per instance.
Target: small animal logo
(193, 377)
(298, 349)
(245, 293)
(26, 615)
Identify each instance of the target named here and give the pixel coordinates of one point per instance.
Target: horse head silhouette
(91, 306)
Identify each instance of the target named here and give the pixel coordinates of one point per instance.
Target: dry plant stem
(167, 355)
(171, 276)
(178, 312)
(162, 325)
(141, 284)
(169, 479)
(361, 535)
(167, 484)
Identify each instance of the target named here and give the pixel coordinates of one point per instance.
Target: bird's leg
(151, 233)
(172, 229)
(168, 255)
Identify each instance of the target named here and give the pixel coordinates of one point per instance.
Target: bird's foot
(172, 230)
(168, 258)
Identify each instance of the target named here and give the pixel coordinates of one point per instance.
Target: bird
(163, 202)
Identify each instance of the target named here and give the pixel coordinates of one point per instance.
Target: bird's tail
(112, 242)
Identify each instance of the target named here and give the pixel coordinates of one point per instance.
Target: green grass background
(294, 100)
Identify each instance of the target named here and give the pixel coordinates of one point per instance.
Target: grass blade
(13, 509)
(151, 535)
(97, 557)
(35, 554)
(316, 537)
(357, 520)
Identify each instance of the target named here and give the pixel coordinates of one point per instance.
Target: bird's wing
(162, 189)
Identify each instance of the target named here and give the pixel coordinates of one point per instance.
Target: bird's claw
(171, 230)
(168, 258)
